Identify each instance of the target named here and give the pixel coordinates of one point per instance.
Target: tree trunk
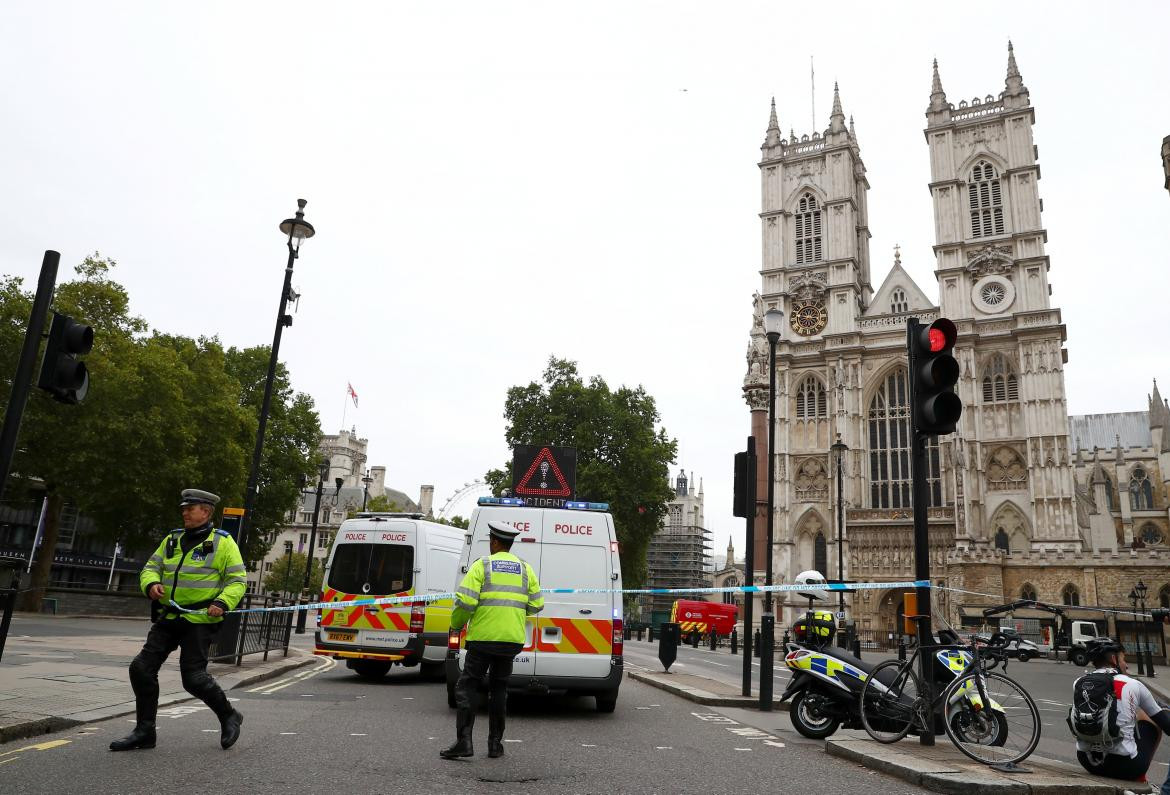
(30, 601)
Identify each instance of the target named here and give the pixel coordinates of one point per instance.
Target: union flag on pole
(352, 394)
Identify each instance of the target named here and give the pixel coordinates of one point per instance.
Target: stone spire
(773, 136)
(938, 97)
(837, 117)
(1013, 84)
(1159, 413)
(852, 129)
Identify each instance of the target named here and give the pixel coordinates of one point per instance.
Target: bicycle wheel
(991, 718)
(890, 701)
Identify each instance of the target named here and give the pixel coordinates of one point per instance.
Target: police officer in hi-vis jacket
(494, 601)
(198, 568)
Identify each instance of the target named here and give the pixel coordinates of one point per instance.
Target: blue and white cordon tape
(437, 597)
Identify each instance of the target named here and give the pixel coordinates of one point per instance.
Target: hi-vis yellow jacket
(212, 571)
(499, 593)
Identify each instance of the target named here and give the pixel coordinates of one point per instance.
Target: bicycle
(989, 717)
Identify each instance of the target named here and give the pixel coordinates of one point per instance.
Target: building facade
(1011, 492)
(679, 555)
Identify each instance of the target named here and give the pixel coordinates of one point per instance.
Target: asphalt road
(1049, 684)
(322, 729)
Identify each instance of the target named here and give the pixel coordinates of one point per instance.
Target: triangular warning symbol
(538, 481)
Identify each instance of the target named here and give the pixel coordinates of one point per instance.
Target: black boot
(143, 736)
(229, 729)
(495, 732)
(464, 720)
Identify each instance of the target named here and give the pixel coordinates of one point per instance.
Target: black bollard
(639, 633)
(786, 639)
(901, 649)
(734, 641)
(668, 635)
(756, 644)
(857, 647)
(714, 640)
(694, 640)
(651, 634)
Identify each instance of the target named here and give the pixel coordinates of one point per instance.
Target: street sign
(545, 476)
(840, 615)
(231, 522)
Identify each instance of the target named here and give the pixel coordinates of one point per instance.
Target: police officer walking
(198, 568)
(494, 601)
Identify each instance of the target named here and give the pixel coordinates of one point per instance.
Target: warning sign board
(545, 476)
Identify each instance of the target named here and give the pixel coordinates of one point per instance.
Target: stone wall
(80, 602)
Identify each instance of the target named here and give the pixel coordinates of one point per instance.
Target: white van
(389, 554)
(575, 644)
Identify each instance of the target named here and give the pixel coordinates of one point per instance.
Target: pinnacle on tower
(773, 135)
(1013, 84)
(837, 118)
(938, 97)
(852, 129)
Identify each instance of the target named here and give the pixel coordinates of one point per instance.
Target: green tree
(623, 458)
(288, 575)
(455, 521)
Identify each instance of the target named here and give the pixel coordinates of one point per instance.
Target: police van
(389, 554)
(574, 645)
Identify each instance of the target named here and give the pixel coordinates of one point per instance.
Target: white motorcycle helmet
(811, 579)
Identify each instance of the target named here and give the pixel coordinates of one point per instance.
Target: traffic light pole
(921, 530)
(24, 367)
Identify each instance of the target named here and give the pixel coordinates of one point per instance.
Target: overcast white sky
(496, 182)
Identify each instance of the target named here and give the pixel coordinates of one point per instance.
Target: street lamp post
(839, 448)
(298, 231)
(1141, 660)
(287, 567)
(773, 323)
(302, 615)
(366, 481)
(1145, 642)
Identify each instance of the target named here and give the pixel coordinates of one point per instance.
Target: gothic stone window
(1151, 535)
(898, 302)
(985, 200)
(808, 230)
(810, 399)
(1141, 491)
(1028, 592)
(1069, 595)
(1109, 503)
(820, 554)
(999, 381)
(1006, 470)
(889, 447)
(729, 596)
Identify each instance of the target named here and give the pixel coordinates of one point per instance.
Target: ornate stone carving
(808, 286)
(990, 259)
(1006, 470)
(812, 480)
(756, 397)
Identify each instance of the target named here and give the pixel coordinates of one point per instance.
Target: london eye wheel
(464, 499)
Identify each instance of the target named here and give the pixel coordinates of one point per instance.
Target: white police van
(574, 645)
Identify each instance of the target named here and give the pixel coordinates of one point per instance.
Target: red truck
(692, 616)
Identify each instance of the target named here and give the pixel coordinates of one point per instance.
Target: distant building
(347, 457)
(679, 554)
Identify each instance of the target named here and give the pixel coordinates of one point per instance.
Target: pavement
(60, 672)
(938, 768)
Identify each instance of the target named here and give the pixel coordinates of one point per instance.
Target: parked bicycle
(988, 716)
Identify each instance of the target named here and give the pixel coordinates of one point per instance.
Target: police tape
(438, 597)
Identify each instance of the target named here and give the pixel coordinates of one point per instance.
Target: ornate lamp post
(298, 230)
(839, 449)
(773, 324)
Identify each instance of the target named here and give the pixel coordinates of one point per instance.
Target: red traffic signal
(935, 372)
(62, 375)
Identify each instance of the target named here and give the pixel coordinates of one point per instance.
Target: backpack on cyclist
(1093, 714)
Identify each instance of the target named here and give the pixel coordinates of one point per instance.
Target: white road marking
(408, 698)
(641, 708)
(587, 745)
(287, 733)
(306, 695)
(773, 743)
(209, 731)
(513, 741)
(742, 749)
(663, 748)
(355, 734)
(712, 662)
(268, 688)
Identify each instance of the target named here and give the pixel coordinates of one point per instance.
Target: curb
(959, 779)
(702, 696)
(49, 725)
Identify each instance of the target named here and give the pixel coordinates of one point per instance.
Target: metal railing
(253, 633)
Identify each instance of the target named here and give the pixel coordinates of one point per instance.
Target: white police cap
(502, 531)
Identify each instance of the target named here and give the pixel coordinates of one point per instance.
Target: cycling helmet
(816, 628)
(812, 580)
(1100, 648)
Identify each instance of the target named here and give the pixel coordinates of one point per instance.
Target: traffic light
(62, 376)
(936, 406)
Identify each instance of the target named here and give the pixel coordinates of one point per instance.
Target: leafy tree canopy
(623, 458)
(288, 575)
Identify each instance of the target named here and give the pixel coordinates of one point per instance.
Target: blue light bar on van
(501, 501)
(587, 506)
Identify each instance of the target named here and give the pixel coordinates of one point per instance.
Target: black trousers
(491, 661)
(192, 640)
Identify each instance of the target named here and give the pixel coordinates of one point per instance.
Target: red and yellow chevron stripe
(578, 636)
(693, 626)
(367, 616)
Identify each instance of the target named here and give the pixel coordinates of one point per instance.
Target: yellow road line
(45, 746)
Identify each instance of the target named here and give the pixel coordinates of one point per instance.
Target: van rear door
(576, 630)
(373, 561)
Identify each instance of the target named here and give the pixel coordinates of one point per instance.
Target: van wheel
(606, 702)
(1079, 658)
(371, 670)
(432, 672)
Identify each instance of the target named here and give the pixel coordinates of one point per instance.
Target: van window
(372, 568)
